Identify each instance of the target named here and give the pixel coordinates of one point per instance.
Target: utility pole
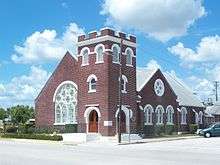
(216, 84)
(119, 93)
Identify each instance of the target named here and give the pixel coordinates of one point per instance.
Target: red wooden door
(93, 121)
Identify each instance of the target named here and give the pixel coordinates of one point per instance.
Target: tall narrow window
(129, 55)
(115, 53)
(124, 82)
(196, 118)
(183, 115)
(170, 112)
(200, 117)
(99, 53)
(148, 115)
(92, 85)
(159, 114)
(122, 85)
(85, 57)
(92, 80)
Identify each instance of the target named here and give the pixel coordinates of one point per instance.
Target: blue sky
(181, 37)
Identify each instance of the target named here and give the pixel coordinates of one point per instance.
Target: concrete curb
(159, 140)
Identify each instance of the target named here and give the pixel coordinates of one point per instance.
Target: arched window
(124, 82)
(170, 112)
(85, 56)
(200, 117)
(115, 53)
(65, 99)
(129, 54)
(92, 80)
(148, 115)
(183, 115)
(99, 53)
(159, 114)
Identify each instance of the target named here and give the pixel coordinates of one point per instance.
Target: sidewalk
(159, 139)
(30, 141)
(101, 142)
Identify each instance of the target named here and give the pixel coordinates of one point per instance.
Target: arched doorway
(93, 121)
(126, 115)
(123, 122)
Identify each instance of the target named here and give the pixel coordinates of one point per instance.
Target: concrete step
(92, 137)
(125, 137)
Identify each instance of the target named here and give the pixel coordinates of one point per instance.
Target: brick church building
(84, 91)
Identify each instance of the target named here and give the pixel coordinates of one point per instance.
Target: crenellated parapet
(107, 32)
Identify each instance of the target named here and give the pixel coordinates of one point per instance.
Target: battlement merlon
(106, 34)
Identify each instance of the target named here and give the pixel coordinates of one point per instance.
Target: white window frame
(61, 111)
(196, 118)
(96, 50)
(130, 63)
(200, 117)
(84, 61)
(148, 116)
(118, 48)
(162, 90)
(124, 90)
(159, 116)
(183, 116)
(89, 79)
(170, 114)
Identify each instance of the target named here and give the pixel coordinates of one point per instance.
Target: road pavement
(199, 151)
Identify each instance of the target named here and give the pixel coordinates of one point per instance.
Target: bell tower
(99, 63)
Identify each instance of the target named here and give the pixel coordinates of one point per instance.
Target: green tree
(3, 114)
(21, 114)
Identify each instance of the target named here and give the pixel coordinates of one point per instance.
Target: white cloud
(47, 45)
(161, 19)
(201, 86)
(152, 65)
(204, 59)
(208, 50)
(23, 89)
(2, 88)
(64, 5)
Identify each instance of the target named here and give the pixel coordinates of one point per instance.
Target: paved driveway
(182, 152)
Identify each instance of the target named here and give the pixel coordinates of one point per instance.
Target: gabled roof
(66, 56)
(213, 110)
(143, 75)
(184, 94)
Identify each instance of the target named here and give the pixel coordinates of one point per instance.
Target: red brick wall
(106, 95)
(66, 70)
(169, 98)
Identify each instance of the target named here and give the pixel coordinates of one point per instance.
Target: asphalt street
(180, 152)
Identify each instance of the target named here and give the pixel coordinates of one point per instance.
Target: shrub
(148, 130)
(159, 130)
(46, 130)
(70, 128)
(11, 129)
(34, 136)
(169, 129)
(26, 129)
(1, 130)
(193, 128)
